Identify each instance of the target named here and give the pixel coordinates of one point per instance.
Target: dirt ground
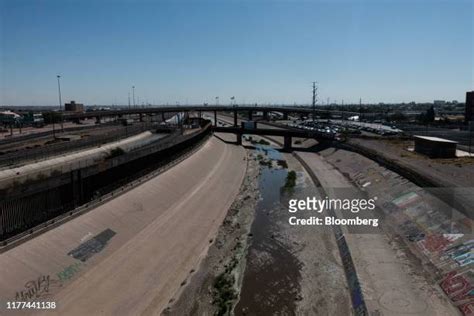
(456, 172)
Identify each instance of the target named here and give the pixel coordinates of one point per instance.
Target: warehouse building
(469, 112)
(74, 107)
(435, 147)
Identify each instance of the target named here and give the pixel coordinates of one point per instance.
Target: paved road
(162, 231)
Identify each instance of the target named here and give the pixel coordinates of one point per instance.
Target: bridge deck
(274, 132)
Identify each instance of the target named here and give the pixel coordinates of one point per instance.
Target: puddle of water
(270, 283)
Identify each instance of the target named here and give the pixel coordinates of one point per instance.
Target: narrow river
(270, 283)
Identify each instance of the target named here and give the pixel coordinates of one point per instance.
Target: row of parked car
(316, 126)
(347, 127)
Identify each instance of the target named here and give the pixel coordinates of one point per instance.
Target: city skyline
(263, 52)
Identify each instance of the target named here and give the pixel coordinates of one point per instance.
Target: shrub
(290, 180)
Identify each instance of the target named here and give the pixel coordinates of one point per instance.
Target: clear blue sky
(257, 51)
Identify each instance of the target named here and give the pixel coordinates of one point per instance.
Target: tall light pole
(315, 93)
(133, 91)
(129, 100)
(60, 102)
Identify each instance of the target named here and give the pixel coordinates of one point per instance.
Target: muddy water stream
(271, 280)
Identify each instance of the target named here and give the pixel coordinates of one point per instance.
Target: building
(34, 119)
(439, 102)
(8, 117)
(469, 113)
(74, 107)
(435, 147)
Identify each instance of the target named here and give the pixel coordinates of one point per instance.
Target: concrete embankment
(385, 279)
(41, 200)
(130, 255)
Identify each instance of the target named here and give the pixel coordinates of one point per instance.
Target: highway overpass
(285, 110)
(287, 134)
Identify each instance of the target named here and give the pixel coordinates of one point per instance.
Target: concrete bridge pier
(239, 139)
(77, 187)
(215, 118)
(250, 115)
(265, 115)
(163, 116)
(141, 117)
(287, 143)
(285, 115)
(235, 118)
(97, 120)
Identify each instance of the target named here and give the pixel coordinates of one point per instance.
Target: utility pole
(60, 103)
(471, 127)
(59, 93)
(133, 92)
(315, 94)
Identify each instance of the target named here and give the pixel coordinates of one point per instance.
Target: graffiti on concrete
(467, 309)
(92, 246)
(462, 253)
(406, 199)
(458, 287)
(434, 243)
(69, 271)
(357, 297)
(34, 289)
(411, 231)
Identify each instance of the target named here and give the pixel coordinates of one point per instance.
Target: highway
(130, 255)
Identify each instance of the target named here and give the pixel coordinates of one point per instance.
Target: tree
(427, 117)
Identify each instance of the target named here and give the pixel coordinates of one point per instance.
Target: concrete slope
(130, 255)
(389, 286)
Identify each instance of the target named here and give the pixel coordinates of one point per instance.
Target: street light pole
(315, 93)
(60, 103)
